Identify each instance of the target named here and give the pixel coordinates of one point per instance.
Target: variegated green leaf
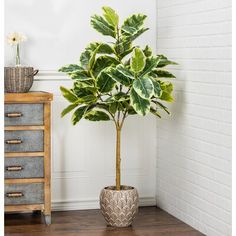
(143, 87)
(111, 16)
(167, 89)
(132, 24)
(84, 58)
(138, 60)
(113, 107)
(102, 26)
(164, 62)
(140, 105)
(96, 116)
(157, 88)
(78, 114)
(125, 71)
(151, 63)
(147, 51)
(70, 68)
(103, 62)
(69, 109)
(68, 94)
(164, 74)
(105, 83)
(119, 77)
(80, 75)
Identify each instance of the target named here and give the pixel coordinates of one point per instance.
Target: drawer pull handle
(14, 115)
(14, 141)
(14, 168)
(15, 194)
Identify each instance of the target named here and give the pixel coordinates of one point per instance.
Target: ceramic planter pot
(119, 207)
(18, 79)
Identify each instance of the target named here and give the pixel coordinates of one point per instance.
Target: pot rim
(125, 188)
(10, 67)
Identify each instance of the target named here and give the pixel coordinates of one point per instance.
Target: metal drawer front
(17, 194)
(23, 114)
(24, 167)
(24, 141)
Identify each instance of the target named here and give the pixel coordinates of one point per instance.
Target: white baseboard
(86, 204)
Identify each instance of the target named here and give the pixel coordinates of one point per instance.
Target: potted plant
(113, 81)
(18, 78)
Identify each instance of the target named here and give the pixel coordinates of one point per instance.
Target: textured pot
(18, 79)
(119, 207)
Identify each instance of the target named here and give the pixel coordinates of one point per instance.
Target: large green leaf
(83, 83)
(163, 74)
(103, 62)
(118, 97)
(164, 61)
(78, 114)
(68, 94)
(130, 38)
(96, 116)
(140, 105)
(69, 109)
(131, 111)
(138, 60)
(88, 99)
(123, 47)
(111, 16)
(84, 90)
(118, 76)
(125, 71)
(132, 24)
(143, 87)
(80, 75)
(85, 57)
(113, 107)
(167, 89)
(105, 83)
(92, 58)
(147, 51)
(70, 68)
(157, 88)
(102, 26)
(151, 63)
(100, 47)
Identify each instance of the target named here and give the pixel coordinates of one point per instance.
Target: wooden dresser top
(30, 97)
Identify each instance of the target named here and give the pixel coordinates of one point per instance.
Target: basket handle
(35, 72)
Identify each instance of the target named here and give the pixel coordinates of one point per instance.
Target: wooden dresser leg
(47, 219)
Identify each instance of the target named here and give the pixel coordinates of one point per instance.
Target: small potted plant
(18, 79)
(113, 81)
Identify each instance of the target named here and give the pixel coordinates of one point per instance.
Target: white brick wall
(194, 144)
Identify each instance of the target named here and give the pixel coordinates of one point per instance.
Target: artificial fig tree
(116, 79)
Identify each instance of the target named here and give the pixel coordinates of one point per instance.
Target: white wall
(83, 159)
(194, 144)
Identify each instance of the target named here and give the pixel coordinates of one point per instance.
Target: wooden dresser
(27, 152)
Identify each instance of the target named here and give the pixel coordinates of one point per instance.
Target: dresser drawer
(16, 194)
(24, 167)
(24, 141)
(23, 114)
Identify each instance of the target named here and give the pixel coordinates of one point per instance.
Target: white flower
(16, 38)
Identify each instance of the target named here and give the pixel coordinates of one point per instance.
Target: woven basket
(18, 79)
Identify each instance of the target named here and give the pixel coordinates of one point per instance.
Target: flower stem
(18, 55)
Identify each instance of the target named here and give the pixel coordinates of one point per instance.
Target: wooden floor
(151, 221)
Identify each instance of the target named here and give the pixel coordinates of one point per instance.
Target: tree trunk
(118, 132)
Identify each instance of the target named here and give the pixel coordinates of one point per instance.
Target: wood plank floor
(151, 221)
